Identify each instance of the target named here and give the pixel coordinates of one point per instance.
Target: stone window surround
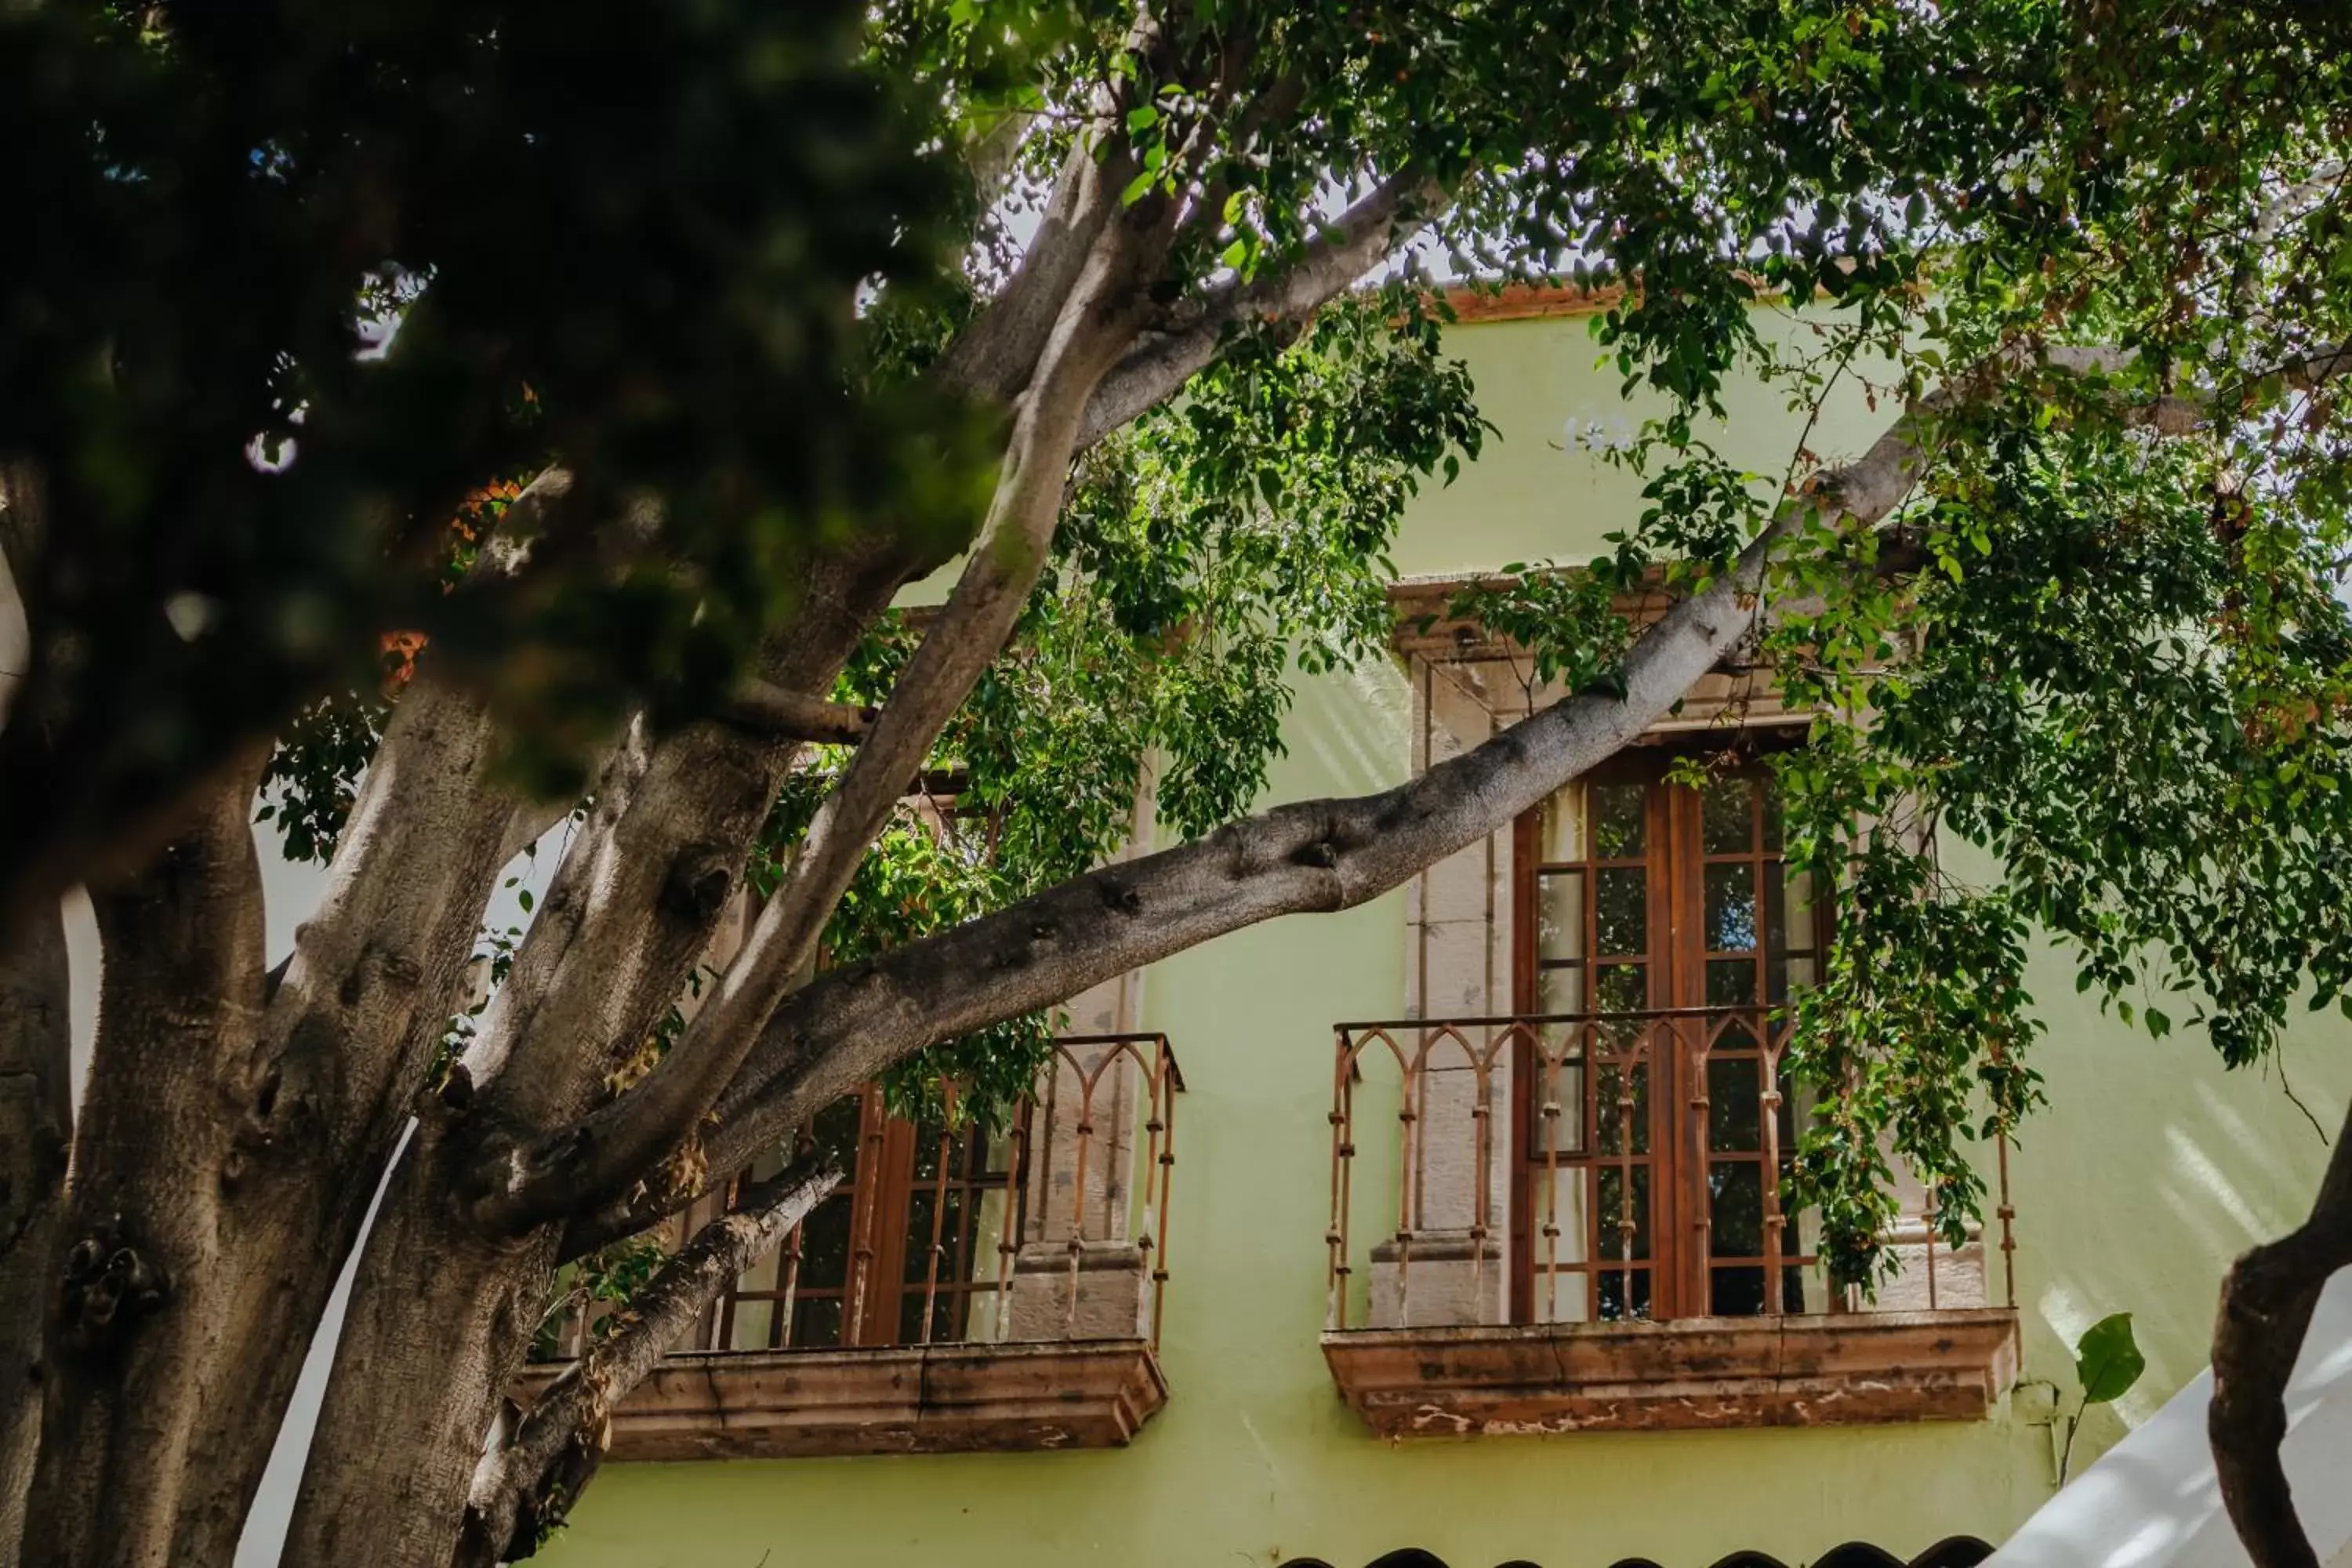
(1456, 1366)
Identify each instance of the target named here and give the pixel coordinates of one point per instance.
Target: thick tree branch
(523, 1488)
(997, 355)
(993, 357)
(1324, 855)
(612, 1150)
(1350, 245)
(765, 708)
(376, 970)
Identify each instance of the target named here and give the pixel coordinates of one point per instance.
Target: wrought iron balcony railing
(1051, 1228)
(1586, 1167)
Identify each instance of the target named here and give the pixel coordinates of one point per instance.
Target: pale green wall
(2151, 1168)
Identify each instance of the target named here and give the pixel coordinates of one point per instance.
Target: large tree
(638, 358)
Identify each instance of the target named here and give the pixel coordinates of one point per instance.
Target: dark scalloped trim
(1952, 1551)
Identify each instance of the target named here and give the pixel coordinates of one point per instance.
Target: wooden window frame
(882, 1186)
(1679, 1267)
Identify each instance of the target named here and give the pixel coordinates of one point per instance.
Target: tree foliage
(303, 277)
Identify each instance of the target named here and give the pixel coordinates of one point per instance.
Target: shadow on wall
(1956, 1552)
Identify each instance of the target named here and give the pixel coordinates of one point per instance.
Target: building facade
(1451, 1222)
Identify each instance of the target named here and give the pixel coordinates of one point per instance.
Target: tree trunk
(444, 1307)
(36, 1128)
(137, 1414)
(440, 1319)
(255, 1147)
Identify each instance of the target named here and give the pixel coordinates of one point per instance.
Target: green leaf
(2107, 1360)
(1142, 117)
(523, 897)
(1136, 187)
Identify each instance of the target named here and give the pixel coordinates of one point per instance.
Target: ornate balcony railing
(1574, 1168)
(1052, 1226)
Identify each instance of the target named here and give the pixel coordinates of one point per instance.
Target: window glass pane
(1793, 1290)
(836, 1130)
(955, 1237)
(1735, 1193)
(1734, 1104)
(979, 1314)
(1615, 1214)
(920, 1209)
(1612, 1288)
(1560, 914)
(817, 1322)
(1730, 907)
(1621, 900)
(1565, 1297)
(1789, 909)
(986, 1232)
(1618, 820)
(825, 1244)
(1725, 806)
(1562, 837)
(1621, 988)
(1771, 788)
(1730, 981)
(1560, 1087)
(1621, 1108)
(754, 1323)
(1736, 1292)
(1569, 1191)
(1559, 990)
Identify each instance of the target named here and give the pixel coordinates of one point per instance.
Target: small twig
(2296, 1101)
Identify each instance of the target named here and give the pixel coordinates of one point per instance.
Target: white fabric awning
(2152, 1501)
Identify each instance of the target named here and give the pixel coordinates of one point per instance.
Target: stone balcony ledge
(928, 1399)
(1824, 1369)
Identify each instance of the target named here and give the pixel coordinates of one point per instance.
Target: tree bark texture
(285, 1122)
(136, 1465)
(36, 1128)
(444, 1306)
